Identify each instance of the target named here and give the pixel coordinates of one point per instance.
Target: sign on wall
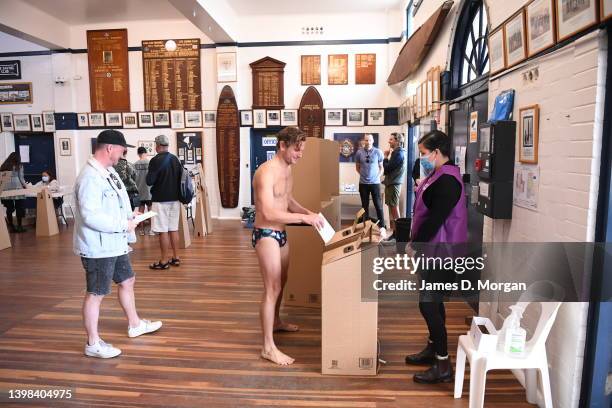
(10, 69)
(16, 92)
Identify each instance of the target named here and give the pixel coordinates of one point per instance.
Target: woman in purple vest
(440, 216)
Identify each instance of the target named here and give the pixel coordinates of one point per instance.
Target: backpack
(186, 191)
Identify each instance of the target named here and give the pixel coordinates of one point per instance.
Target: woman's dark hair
(141, 150)
(437, 140)
(50, 173)
(12, 162)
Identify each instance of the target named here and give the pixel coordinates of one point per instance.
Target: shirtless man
(275, 207)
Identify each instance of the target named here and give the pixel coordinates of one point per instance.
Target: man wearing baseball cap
(104, 225)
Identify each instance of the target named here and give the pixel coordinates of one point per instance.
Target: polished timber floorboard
(207, 353)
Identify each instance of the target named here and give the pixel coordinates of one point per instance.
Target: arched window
(470, 58)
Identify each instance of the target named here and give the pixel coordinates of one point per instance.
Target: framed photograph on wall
(113, 120)
(145, 119)
(259, 118)
(355, 117)
(574, 16)
(333, 117)
(529, 118)
(418, 101)
(193, 119)
(210, 119)
(65, 147)
(226, 67)
(429, 89)
(161, 119)
(289, 117)
(22, 123)
(246, 118)
(497, 51)
(273, 117)
(130, 120)
(7, 122)
(435, 103)
(49, 121)
(540, 25)
(605, 9)
(149, 145)
(177, 119)
(82, 120)
(96, 119)
(376, 117)
(37, 123)
(514, 34)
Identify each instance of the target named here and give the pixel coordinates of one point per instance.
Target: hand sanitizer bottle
(513, 334)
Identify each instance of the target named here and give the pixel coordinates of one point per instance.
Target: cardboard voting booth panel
(184, 234)
(349, 312)
(46, 220)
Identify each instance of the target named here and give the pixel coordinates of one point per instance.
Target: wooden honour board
(172, 79)
(268, 83)
(228, 148)
(311, 114)
(109, 83)
(365, 68)
(311, 70)
(337, 69)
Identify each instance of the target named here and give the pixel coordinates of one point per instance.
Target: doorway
(263, 148)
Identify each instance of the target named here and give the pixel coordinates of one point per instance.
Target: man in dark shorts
(104, 224)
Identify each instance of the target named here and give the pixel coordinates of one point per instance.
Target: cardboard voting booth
(349, 312)
(184, 234)
(46, 220)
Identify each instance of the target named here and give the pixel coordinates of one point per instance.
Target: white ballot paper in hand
(144, 216)
(327, 232)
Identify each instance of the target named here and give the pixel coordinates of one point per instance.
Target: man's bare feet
(286, 327)
(276, 356)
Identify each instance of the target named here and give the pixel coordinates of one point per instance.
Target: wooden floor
(207, 353)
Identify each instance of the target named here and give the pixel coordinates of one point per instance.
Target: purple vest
(454, 229)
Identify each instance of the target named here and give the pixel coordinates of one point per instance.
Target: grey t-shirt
(370, 161)
(142, 167)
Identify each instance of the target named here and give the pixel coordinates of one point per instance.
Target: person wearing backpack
(165, 177)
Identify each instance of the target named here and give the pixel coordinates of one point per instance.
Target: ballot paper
(144, 216)
(327, 232)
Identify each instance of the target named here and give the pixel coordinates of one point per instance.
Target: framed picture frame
(514, 35)
(149, 145)
(605, 9)
(16, 93)
(49, 121)
(497, 51)
(376, 117)
(6, 119)
(435, 103)
(161, 119)
(193, 119)
(145, 119)
(541, 32)
(246, 118)
(65, 147)
(259, 119)
(37, 123)
(177, 119)
(414, 107)
(130, 120)
(419, 102)
(429, 90)
(113, 120)
(226, 67)
(289, 117)
(210, 119)
(355, 117)
(273, 117)
(574, 16)
(82, 120)
(529, 124)
(96, 119)
(22, 123)
(333, 117)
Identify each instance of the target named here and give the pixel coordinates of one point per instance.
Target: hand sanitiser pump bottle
(513, 335)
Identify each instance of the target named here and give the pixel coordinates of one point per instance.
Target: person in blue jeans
(369, 165)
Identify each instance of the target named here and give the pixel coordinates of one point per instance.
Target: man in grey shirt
(369, 165)
(144, 191)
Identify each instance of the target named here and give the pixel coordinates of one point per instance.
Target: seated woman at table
(49, 181)
(16, 181)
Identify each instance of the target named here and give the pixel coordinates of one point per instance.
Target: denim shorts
(100, 271)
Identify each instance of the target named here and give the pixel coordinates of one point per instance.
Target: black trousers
(17, 206)
(434, 314)
(364, 192)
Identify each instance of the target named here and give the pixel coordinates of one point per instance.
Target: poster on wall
(226, 67)
(15, 92)
(149, 145)
(540, 32)
(350, 143)
(526, 186)
(574, 16)
(474, 127)
(188, 144)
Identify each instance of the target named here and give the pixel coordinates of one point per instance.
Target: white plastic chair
(534, 359)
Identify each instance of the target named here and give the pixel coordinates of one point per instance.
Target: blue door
(263, 148)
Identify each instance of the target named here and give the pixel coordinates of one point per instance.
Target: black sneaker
(425, 356)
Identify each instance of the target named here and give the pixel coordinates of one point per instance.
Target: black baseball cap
(112, 137)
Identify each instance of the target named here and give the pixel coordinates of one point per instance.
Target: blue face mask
(427, 164)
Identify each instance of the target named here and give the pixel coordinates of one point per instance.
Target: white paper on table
(327, 232)
(144, 216)
(24, 153)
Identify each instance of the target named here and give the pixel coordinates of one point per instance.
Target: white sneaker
(383, 233)
(101, 350)
(145, 326)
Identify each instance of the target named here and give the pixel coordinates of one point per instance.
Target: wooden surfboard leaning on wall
(228, 148)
